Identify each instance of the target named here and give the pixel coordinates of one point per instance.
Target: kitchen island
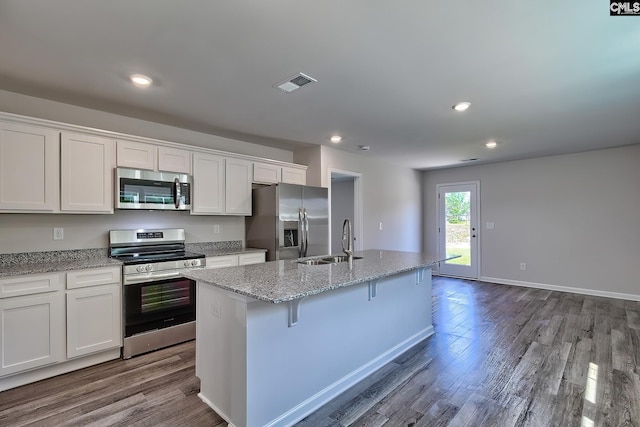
(275, 341)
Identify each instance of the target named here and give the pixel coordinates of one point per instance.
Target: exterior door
(458, 220)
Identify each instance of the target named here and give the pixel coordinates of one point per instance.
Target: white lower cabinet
(234, 260)
(93, 320)
(251, 258)
(222, 261)
(39, 318)
(31, 332)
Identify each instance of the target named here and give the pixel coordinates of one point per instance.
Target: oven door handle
(134, 280)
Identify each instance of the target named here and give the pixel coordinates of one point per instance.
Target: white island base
(265, 364)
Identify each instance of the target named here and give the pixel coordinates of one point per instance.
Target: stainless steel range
(159, 305)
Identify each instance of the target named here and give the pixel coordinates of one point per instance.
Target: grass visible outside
(465, 255)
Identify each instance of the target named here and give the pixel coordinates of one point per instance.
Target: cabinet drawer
(222, 261)
(30, 284)
(94, 277)
(255, 258)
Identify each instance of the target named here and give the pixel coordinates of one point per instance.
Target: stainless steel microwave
(149, 190)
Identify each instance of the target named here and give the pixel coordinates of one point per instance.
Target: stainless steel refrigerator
(290, 221)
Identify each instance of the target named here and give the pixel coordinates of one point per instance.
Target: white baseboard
(582, 291)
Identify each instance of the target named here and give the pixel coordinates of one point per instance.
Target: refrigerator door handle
(306, 231)
(300, 234)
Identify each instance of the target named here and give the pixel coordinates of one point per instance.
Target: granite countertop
(23, 263)
(281, 281)
(18, 264)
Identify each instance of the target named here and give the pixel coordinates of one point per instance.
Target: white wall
(341, 208)
(15, 103)
(34, 232)
(391, 195)
(574, 219)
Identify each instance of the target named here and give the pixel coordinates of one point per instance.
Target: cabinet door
(266, 173)
(238, 187)
(294, 176)
(29, 168)
(174, 160)
(208, 184)
(31, 332)
(222, 261)
(93, 320)
(87, 173)
(253, 258)
(136, 155)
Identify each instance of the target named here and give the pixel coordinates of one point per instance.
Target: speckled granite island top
(281, 281)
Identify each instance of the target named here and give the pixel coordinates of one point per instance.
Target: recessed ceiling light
(336, 139)
(462, 106)
(140, 80)
(491, 145)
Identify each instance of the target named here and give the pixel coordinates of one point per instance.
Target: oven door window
(159, 304)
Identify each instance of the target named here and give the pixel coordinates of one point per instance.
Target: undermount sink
(340, 258)
(314, 262)
(327, 260)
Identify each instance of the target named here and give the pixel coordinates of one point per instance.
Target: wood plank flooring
(501, 356)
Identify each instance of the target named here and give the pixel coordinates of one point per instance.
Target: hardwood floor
(501, 356)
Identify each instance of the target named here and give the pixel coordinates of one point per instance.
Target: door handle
(300, 234)
(306, 231)
(176, 198)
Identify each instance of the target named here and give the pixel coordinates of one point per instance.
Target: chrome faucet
(347, 233)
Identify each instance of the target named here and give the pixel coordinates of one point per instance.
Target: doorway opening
(345, 201)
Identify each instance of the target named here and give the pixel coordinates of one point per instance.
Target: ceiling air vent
(294, 82)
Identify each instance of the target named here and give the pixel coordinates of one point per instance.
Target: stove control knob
(140, 268)
(195, 262)
(149, 267)
(187, 263)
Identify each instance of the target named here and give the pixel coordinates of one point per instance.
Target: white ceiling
(544, 77)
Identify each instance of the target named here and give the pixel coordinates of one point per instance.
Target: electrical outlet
(523, 266)
(380, 226)
(216, 228)
(490, 225)
(58, 233)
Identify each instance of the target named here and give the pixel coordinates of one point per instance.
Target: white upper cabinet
(136, 155)
(208, 184)
(87, 173)
(266, 173)
(238, 187)
(294, 176)
(174, 160)
(29, 168)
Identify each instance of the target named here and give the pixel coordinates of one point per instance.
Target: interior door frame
(358, 245)
(476, 219)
